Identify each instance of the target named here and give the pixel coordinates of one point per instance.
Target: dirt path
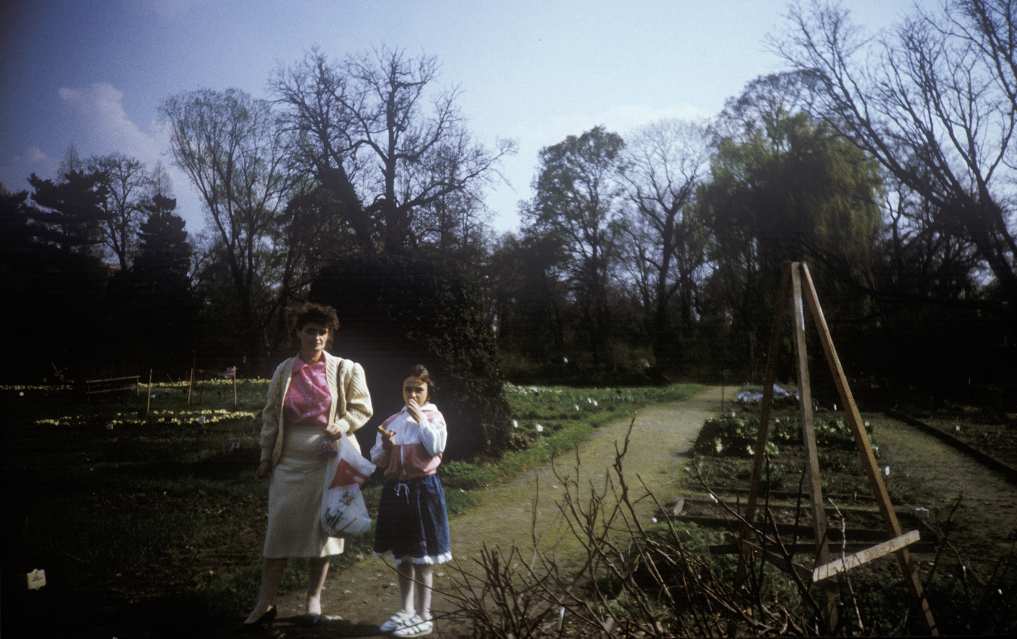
(366, 593)
(933, 474)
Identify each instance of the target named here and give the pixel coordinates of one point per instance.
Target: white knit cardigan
(351, 402)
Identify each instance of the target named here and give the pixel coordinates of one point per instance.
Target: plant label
(36, 579)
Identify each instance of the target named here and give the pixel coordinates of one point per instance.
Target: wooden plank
(809, 439)
(778, 505)
(861, 557)
(865, 448)
(924, 547)
(801, 531)
(112, 389)
(112, 379)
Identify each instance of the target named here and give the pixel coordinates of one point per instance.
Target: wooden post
(190, 387)
(769, 378)
(235, 401)
(148, 399)
(809, 439)
(763, 436)
(868, 458)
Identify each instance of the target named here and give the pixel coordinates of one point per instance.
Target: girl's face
(313, 338)
(416, 389)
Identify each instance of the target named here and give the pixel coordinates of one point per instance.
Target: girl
(412, 522)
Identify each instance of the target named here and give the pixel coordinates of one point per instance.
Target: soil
(995, 439)
(926, 473)
(366, 593)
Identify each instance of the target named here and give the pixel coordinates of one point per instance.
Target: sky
(92, 73)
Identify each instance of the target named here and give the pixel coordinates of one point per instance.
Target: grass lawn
(164, 514)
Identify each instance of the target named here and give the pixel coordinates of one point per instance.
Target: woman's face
(416, 389)
(313, 338)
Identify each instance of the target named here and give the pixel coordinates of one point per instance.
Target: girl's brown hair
(420, 372)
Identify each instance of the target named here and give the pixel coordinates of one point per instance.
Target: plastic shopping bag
(343, 511)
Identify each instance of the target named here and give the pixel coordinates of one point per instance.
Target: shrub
(397, 311)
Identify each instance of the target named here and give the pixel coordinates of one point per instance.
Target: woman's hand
(332, 431)
(264, 469)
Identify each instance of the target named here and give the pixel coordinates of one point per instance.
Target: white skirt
(294, 499)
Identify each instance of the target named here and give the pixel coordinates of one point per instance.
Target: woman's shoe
(310, 619)
(265, 619)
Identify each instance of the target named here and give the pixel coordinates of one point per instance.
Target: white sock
(424, 576)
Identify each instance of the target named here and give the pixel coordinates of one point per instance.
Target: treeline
(888, 164)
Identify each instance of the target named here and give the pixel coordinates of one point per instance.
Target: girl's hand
(264, 469)
(386, 438)
(414, 408)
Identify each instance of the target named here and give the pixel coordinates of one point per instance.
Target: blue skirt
(413, 521)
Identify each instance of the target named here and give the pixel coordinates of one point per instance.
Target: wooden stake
(190, 387)
(809, 439)
(148, 399)
(865, 449)
(769, 378)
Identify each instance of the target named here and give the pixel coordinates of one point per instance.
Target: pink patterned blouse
(307, 400)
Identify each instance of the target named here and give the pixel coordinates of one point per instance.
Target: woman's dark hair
(420, 372)
(309, 313)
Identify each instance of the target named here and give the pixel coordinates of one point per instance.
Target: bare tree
(125, 182)
(376, 139)
(934, 102)
(667, 243)
(576, 203)
(229, 145)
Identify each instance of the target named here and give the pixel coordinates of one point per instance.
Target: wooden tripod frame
(795, 275)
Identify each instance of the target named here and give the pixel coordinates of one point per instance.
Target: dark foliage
(399, 311)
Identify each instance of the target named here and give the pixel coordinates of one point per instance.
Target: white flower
(718, 446)
(595, 403)
(956, 428)
(886, 470)
(835, 407)
(538, 428)
(515, 424)
(866, 423)
(577, 407)
(748, 449)
(653, 520)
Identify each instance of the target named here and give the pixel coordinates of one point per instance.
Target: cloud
(105, 127)
(35, 155)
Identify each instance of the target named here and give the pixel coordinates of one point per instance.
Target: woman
(314, 398)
